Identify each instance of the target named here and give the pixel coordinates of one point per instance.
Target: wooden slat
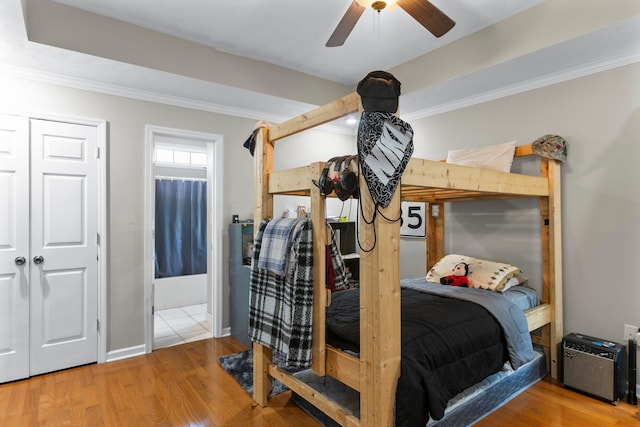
(524, 150)
(428, 173)
(291, 180)
(324, 114)
(344, 367)
(320, 401)
(538, 316)
(437, 195)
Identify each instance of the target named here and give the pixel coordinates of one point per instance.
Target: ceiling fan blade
(432, 18)
(345, 25)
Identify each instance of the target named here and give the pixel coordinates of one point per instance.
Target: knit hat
(551, 146)
(379, 91)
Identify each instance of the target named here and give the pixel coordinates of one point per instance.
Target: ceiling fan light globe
(376, 5)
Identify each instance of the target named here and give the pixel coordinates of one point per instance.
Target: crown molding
(599, 51)
(592, 53)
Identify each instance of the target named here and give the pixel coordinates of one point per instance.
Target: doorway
(183, 302)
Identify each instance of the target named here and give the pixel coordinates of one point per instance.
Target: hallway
(180, 325)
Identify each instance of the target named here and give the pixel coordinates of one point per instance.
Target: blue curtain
(181, 227)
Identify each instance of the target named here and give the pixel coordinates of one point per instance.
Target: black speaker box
(594, 366)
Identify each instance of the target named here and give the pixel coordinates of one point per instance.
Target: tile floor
(175, 326)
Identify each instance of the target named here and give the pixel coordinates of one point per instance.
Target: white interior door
(14, 248)
(48, 246)
(64, 247)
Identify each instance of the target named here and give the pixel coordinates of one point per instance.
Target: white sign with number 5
(412, 219)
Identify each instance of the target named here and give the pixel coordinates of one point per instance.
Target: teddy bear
(458, 276)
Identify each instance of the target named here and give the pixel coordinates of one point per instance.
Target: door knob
(20, 260)
(38, 259)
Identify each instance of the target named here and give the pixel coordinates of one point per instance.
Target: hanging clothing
(281, 306)
(385, 144)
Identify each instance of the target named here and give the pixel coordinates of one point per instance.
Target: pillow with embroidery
(483, 274)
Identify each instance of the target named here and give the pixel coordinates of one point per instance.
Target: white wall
(180, 291)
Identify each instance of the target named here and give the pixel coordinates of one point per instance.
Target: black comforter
(447, 346)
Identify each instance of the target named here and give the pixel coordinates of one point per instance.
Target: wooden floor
(185, 386)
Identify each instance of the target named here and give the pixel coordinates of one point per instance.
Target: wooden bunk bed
(375, 373)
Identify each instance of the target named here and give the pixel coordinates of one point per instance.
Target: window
(182, 157)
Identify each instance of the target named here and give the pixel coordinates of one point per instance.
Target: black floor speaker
(594, 367)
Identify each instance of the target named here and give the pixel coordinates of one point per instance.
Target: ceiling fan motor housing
(378, 5)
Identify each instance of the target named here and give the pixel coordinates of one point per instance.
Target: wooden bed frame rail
(375, 373)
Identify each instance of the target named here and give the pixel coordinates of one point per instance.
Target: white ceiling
(292, 34)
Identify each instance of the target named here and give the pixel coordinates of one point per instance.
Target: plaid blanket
(281, 307)
(276, 245)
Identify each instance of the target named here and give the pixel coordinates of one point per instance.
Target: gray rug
(240, 367)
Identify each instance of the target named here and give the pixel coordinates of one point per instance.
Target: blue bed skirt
(464, 409)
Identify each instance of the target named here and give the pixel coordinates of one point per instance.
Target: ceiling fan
(432, 18)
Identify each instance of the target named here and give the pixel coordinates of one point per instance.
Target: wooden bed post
(553, 264)
(263, 208)
(379, 311)
(551, 241)
(435, 233)
(319, 353)
(262, 167)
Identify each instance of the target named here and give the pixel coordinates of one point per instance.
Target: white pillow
(483, 274)
(516, 280)
(497, 157)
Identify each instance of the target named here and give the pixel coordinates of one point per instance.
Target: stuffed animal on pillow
(458, 276)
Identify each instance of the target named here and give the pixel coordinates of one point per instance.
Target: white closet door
(64, 266)
(14, 248)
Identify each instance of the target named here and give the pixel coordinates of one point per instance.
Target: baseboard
(125, 353)
(226, 331)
